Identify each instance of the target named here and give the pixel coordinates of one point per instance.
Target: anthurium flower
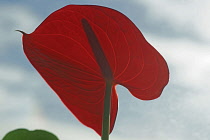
(79, 49)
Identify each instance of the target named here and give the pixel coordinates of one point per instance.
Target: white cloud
(15, 17)
(7, 75)
(189, 15)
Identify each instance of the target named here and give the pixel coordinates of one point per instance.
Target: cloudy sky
(178, 29)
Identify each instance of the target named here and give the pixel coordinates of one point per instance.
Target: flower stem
(106, 115)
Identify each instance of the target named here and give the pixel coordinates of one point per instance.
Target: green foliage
(24, 134)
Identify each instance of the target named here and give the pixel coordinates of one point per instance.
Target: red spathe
(60, 51)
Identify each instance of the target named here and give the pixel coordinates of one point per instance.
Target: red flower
(77, 49)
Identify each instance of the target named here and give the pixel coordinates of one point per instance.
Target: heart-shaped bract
(79, 47)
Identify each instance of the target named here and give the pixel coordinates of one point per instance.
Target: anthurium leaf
(78, 48)
(24, 134)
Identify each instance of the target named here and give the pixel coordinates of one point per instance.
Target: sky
(179, 30)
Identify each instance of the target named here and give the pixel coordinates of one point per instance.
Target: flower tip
(21, 32)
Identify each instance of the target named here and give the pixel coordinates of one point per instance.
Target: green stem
(106, 115)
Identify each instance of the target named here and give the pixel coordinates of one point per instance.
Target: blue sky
(179, 30)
